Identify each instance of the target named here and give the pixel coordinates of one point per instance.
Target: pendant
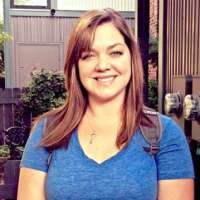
(92, 136)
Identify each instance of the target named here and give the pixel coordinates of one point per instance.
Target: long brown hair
(62, 121)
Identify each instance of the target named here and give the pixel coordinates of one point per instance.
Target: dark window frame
(12, 5)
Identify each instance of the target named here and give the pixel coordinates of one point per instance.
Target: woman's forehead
(94, 36)
(106, 35)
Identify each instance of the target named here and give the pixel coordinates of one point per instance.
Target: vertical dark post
(188, 90)
(143, 37)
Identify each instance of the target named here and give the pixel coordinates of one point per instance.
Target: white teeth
(105, 79)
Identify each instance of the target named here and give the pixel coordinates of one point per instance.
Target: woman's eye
(87, 56)
(117, 53)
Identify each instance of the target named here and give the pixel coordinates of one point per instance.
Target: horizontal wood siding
(41, 29)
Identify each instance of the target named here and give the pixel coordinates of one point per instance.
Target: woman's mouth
(105, 80)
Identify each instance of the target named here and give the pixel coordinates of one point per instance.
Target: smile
(105, 80)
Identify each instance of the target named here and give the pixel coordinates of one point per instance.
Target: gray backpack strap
(152, 134)
(49, 158)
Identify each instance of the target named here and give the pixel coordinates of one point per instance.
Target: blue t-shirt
(131, 174)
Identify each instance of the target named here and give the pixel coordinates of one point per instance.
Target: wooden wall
(182, 40)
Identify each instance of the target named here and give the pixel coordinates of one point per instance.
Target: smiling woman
(106, 69)
(92, 147)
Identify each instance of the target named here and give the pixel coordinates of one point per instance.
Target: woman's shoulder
(39, 122)
(171, 131)
(169, 124)
(37, 129)
(35, 156)
(174, 158)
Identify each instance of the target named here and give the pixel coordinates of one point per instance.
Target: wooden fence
(8, 105)
(8, 100)
(8, 189)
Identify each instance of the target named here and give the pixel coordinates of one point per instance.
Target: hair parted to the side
(62, 121)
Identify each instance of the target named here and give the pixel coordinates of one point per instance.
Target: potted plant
(10, 156)
(4, 154)
(11, 152)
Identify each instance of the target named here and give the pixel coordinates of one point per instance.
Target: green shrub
(3, 38)
(153, 94)
(45, 91)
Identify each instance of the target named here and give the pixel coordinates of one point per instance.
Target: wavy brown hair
(62, 121)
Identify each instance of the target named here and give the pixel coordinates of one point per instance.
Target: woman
(95, 140)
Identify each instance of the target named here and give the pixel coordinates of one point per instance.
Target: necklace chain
(93, 133)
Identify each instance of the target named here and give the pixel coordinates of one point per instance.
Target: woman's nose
(103, 64)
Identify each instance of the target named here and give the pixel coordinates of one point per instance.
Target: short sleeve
(35, 156)
(174, 158)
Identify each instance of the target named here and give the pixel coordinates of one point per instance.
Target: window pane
(30, 3)
(121, 5)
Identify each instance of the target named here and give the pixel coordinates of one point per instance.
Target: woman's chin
(107, 97)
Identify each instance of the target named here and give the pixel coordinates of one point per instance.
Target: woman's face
(106, 70)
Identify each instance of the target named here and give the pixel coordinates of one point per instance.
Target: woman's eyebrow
(109, 46)
(114, 45)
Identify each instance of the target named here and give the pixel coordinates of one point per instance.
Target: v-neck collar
(90, 160)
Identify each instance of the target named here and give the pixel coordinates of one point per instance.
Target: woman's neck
(106, 109)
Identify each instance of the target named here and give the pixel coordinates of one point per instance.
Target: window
(120, 5)
(41, 4)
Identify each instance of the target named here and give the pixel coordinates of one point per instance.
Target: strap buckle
(152, 149)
